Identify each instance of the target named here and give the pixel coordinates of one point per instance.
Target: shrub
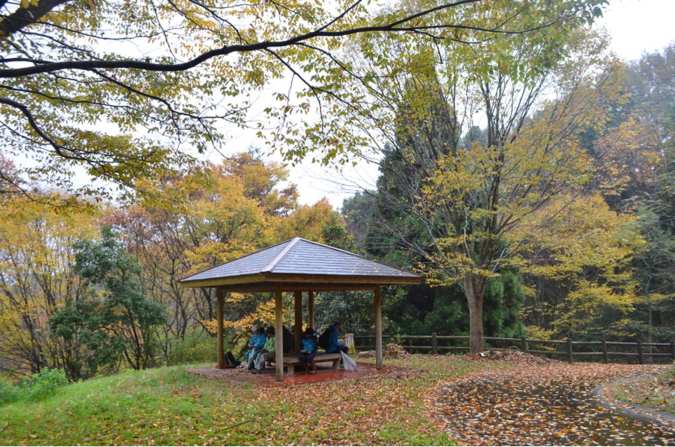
(194, 349)
(8, 393)
(45, 383)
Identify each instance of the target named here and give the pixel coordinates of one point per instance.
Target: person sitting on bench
(256, 345)
(308, 346)
(268, 351)
(333, 344)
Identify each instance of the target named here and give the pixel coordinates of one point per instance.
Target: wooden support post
(641, 358)
(604, 351)
(570, 353)
(310, 310)
(434, 343)
(298, 321)
(523, 344)
(378, 328)
(279, 329)
(672, 349)
(219, 315)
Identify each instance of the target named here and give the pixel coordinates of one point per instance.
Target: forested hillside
(593, 257)
(526, 172)
(94, 288)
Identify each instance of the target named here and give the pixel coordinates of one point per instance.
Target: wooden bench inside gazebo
(293, 360)
(300, 266)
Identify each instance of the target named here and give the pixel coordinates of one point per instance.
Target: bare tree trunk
(475, 299)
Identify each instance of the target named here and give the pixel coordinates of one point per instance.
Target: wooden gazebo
(298, 266)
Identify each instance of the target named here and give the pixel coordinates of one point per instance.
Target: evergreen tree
(111, 316)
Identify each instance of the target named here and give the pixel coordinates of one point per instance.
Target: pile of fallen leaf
(390, 351)
(394, 351)
(512, 357)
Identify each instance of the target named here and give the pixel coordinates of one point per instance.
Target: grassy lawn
(169, 406)
(657, 392)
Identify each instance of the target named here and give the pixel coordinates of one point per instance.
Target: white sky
(636, 26)
(639, 26)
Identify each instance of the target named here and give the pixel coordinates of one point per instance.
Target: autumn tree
(192, 222)
(126, 90)
(649, 128)
(423, 308)
(488, 136)
(36, 281)
(10, 179)
(262, 181)
(576, 256)
(95, 289)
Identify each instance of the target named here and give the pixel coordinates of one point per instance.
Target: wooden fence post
(665, 349)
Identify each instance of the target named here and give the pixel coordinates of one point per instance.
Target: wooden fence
(608, 351)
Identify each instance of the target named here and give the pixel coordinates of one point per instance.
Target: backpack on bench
(324, 339)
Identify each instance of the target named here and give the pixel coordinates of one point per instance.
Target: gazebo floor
(268, 377)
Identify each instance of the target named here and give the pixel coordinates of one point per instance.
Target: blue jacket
(259, 341)
(308, 343)
(333, 340)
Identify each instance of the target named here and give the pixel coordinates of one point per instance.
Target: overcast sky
(636, 26)
(639, 26)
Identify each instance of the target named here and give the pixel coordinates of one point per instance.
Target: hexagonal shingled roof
(300, 262)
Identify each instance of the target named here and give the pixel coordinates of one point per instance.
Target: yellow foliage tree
(189, 223)
(583, 249)
(36, 280)
(483, 138)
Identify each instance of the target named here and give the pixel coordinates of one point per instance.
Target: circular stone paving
(549, 405)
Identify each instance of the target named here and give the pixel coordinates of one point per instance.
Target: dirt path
(545, 405)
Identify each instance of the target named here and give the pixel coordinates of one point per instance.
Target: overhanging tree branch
(23, 17)
(45, 66)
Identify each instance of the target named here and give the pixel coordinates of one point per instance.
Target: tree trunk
(475, 300)
(649, 333)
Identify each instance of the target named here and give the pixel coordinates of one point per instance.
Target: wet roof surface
(302, 257)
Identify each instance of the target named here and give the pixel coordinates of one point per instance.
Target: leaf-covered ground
(544, 405)
(653, 392)
(170, 407)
